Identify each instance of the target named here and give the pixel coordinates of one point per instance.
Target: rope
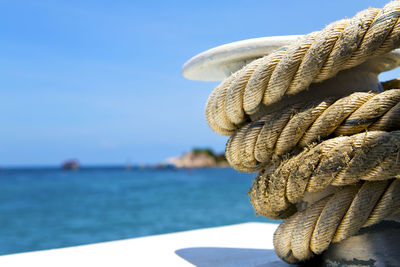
(336, 217)
(340, 161)
(328, 166)
(314, 58)
(300, 125)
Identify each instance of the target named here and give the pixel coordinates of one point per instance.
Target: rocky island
(199, 158)
(70, 165)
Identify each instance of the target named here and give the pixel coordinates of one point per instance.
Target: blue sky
(101, 81)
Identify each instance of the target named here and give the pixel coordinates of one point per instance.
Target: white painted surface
(219, 62)
(248, 244)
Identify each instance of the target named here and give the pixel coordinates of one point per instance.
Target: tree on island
(220, 158)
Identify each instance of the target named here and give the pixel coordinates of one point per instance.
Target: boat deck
(247, 244)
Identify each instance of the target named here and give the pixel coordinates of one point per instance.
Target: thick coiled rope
(327, 166)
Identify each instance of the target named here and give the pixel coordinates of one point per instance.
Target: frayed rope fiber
(345, 151)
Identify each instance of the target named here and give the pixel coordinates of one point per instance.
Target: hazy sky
(101, 81)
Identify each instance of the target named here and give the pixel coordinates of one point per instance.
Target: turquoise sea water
(50, 208)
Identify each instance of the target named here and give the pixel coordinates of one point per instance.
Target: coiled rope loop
(291, 69)
(328, 166)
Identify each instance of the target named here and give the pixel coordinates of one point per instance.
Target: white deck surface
(248, 244)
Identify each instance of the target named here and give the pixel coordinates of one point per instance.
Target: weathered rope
(314, 58)
(340, 161)
(336, 217)
(299, 125)
(328, 166)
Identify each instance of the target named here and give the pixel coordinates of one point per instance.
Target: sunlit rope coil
(343, 151)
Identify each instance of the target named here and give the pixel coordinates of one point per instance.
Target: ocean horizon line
(103, 166)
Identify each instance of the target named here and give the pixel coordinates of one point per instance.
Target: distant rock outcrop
(70, 165)
(199, 158)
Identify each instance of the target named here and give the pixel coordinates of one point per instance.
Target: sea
(50, 208)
